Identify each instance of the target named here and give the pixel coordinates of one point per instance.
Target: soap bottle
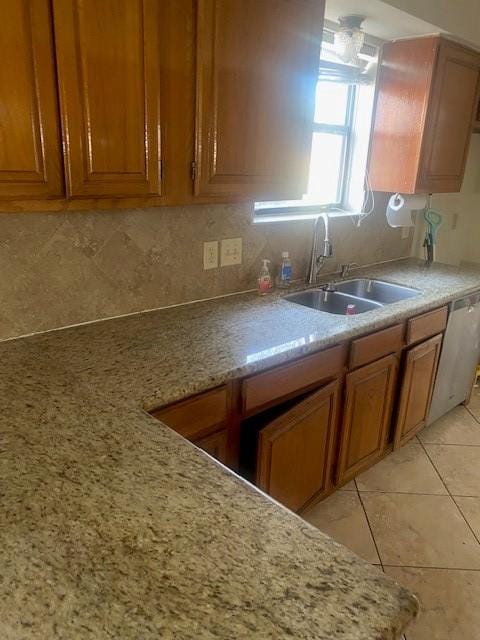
(285, 276)
(264, 279)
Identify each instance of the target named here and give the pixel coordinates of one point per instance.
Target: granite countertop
(113, 526)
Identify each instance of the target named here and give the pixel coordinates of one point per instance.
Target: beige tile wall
(65, 268)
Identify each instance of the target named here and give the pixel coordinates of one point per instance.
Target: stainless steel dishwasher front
(459, 357)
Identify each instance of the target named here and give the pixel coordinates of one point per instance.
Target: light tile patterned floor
(416, 515)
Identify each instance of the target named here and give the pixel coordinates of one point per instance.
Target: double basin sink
(353, 296)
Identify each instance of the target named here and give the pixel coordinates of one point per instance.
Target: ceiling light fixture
(349, 38)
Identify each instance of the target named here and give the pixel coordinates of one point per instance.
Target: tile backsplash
(64, 268)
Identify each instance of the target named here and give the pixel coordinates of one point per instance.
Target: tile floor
(416, 515)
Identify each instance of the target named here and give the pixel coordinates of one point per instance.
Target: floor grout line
(414, 493)
(449, 444)
(370, 527)
(451, 496)
(410, 493)
(472, 414)
(417, 566)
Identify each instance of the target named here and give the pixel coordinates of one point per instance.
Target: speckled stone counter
(113, 526)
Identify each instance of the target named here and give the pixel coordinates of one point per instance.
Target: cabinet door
(30, 150)
(109, 79)
(257, 66)
(417, 388)
(294, 455)
(367, 416)
(215, 444)
(450, 118)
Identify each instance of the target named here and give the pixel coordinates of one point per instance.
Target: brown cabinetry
(159, 102)
(215, 444)
(295, 451)
(30, 159)
(426, 325)
(296, 428)
(201, 419)
(109, 69)
(257, 65)
(417, 388)
(262, 389)
(428, 92)
(369, 394)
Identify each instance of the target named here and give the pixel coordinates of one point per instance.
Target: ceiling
(383, 21)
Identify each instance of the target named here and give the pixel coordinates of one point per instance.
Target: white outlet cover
(210, 255)
(231, 252)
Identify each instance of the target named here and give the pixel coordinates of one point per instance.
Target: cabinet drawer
(196, 417)
(261, 389)
(376, 345)
(426, 325)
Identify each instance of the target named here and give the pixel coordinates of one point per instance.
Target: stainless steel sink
(377, 290)
(331, 301)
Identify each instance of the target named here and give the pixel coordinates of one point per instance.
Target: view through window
(331, 138)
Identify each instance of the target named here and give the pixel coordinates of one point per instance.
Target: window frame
(346, 130)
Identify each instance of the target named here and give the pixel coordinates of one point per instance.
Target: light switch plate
(405, 232)
(231, 252)
(210, 255)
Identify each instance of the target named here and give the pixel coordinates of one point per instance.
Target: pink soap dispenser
(264, 279)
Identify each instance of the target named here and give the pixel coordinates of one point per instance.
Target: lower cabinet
(295, 451)
(417, 387)
(369, 395)
(215, 444)
(202, 419)
(298, 428)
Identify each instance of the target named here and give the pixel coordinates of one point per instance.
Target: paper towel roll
(400, 207)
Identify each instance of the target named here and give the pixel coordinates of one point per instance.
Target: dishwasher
(459, 356)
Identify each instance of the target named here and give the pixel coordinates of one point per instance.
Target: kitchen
(153, 154)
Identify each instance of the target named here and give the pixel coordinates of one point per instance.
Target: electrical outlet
(210, 255)
(405, 232)
(231, 252)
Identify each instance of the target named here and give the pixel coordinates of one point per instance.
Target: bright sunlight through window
(331, 138)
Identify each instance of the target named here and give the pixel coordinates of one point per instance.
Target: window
(329, 159)
(340, 138)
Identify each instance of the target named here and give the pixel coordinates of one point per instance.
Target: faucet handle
(345, 268)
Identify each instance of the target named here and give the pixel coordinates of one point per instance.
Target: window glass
(331, 103)
(331, 131)
(326, 164)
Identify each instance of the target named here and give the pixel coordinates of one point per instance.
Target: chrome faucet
(317, 259)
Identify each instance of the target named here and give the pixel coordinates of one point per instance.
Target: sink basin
(377, 290)
(331, 301)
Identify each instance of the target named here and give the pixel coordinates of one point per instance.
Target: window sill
(290, 217)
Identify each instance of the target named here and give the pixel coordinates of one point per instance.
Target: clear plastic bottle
(264, 279)
(285, 275)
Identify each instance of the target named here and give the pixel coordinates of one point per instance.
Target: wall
(65, 268)
(458, 238)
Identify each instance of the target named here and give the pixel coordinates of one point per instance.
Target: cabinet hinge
(161, 170)
(193, 169)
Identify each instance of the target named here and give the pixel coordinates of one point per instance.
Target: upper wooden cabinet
(428, 92)
(151, 102)
(257, 68)
(30, 159)
(108, 57)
